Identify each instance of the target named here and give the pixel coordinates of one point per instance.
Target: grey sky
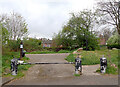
(45, 17)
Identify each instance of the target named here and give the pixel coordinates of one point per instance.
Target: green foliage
(111, 70)
(5, 35)
(14, 45)
(114, 46)
(32, 44)
(78, 31)
(6, 61)
(113, 39)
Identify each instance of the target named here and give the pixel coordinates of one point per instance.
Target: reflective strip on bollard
(78, 66)
(103, 64)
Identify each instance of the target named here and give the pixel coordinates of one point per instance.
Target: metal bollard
(78, 66)
(23, 53)
(14, 65)
(103, 64)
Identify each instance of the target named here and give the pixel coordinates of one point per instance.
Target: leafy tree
(31, 44)
(79, 31)
(113, 40)
(5, 35)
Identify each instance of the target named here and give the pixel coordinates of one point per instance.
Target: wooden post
(21, 49)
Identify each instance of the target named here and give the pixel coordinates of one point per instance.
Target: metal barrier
(15, 62)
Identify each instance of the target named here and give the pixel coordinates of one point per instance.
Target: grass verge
(76, 74)
(49, 52)
(110, 70)
(6, 61)
(93, 57)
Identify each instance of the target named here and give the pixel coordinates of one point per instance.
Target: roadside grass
(6, 61)
(93, 57)
(49, 52)
(109, 70)
(76, 74)
(70, 58)
(41, 52)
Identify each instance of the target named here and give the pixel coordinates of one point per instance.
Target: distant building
(46, 42)
(102, 40)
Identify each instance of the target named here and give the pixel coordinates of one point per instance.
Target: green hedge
(114, 46)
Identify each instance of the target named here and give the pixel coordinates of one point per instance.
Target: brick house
(102, 40)
(46, 42)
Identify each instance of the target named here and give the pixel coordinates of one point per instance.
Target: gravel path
(61, 74)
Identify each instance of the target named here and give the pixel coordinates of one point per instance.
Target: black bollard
(78, 66)
(14, 65)
(103, 64)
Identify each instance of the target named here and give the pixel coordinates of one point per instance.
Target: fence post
(21, 49)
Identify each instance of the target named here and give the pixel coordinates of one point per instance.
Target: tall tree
(110, 11)
(79, 30)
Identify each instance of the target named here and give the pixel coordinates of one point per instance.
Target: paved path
(61, 74)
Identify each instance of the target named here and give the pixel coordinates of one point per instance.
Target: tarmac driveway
(61, 74)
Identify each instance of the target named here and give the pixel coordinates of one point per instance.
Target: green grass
(93, 57)
(110, 70)
(64, 51)
(6, 61)
(70, 58)
(49, 52)
(41, 52)
(76, 74)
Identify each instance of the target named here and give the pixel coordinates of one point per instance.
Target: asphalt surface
(61, 74)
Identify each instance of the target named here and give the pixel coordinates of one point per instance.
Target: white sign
(21, 46)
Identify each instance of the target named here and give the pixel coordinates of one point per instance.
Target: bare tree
(110, 11)
(15, 24)
(107, 33)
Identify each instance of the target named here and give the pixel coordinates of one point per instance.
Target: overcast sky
(45, 17)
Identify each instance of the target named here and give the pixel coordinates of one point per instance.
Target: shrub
(32, 44)
(113, 46)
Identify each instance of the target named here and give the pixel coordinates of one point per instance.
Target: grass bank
(6, 61)
(93, 57)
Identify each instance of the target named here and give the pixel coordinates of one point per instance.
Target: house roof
(47, 42)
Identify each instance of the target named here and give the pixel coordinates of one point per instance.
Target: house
(46, 42)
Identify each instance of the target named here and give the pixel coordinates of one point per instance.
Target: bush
(14, 45)
(113, 46)
(32, 44)
(111, 70)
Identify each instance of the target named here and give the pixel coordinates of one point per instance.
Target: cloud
(45, 17)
